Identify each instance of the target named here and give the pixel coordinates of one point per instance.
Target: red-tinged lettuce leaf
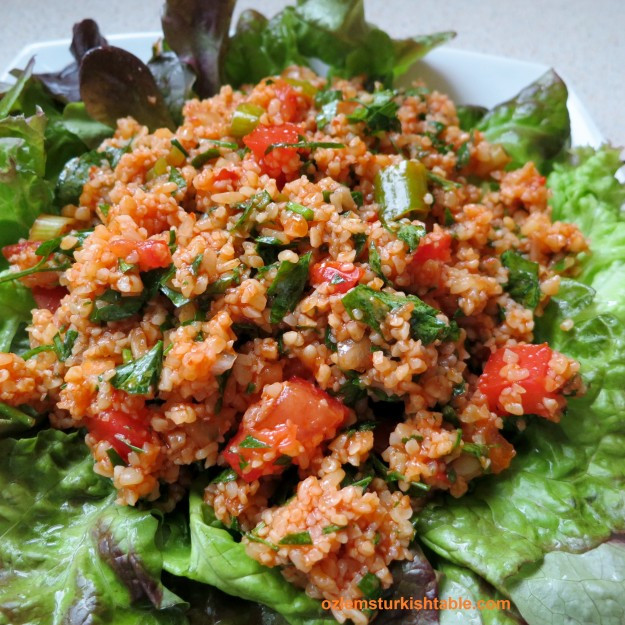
(64, 85)
(197, 31)
(174, 79)
(68, 554)
(202, 550)
(416, 580)
(534, 125)
(565, 490)
(114, 83)
(576, 589)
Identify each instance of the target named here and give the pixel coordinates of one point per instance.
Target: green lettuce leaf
(333, 31)
(68, 554)
(532, 126)
(461, 584)
(24, 193)
(16, 302)
(565, 490)
(574, 588)
(206, 552)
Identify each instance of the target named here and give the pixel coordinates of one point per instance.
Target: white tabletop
(582, 39)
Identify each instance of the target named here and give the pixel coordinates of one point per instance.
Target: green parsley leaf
(380, 115)
(140, 376)
(375, 306)
(287, 287)
(523, 285)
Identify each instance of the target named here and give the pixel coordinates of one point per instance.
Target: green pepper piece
(400, 190)
(245, 119)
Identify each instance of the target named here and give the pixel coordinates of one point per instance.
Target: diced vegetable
(523, 284)
(433, 246)
(204, 157)
(49, 226)
(307, 213)
(124, 432)
(139, 377)
(295, 422)
(534, 360)
(340, 276)
(49, 298)
(373, 307)
(400, 190)
(287, 287)
(245, 118)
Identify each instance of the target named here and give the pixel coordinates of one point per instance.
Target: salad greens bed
(544, 534)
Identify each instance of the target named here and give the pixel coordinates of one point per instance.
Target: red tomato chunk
(151, 254)
(433, 246)
(288, 426)
(119, 429)
(340, 276)
(49, 298)
(533, 365)
(263, 136)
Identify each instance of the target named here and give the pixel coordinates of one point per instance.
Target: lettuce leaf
(459, 583)
(532, 126)
(333, 31)
(574, 588)
(68, 554)
(16, 302)
(565, 490)
(24, 193)
(206, 552)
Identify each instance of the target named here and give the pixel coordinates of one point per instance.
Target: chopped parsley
(297, 538)
(327, 102)
(287, 287)
(380, 115)
(249, 442)
(138, 377)
(374, 306)
(523, 285)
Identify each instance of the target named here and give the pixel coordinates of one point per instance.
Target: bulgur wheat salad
(326, 337)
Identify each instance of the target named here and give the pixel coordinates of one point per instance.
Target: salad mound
(326, 339)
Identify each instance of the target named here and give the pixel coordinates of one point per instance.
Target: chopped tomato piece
(12, 251)
(433, 246)
(527, 367)
(288, 100)
(121, 430)
(340, 276)
(283, 427)
(49, 298)
(225, 174)
(153, 254)
(500, 451)
(275, 161)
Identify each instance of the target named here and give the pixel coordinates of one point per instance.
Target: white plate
(468, 77)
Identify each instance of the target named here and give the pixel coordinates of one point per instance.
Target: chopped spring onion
(49, 227)
(245, 119)
(307, 213)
